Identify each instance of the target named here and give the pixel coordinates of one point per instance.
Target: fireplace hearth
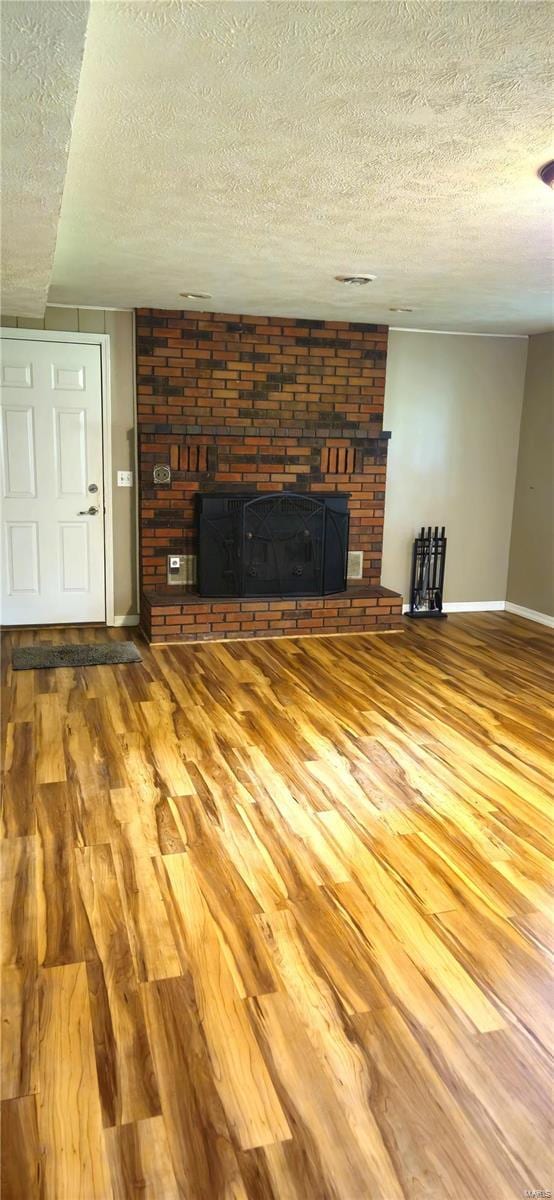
(271, 429)
(285, 544)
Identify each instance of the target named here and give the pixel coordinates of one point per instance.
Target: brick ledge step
(174, 595)
(182, 615)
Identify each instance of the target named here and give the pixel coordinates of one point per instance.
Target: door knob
(88, 512)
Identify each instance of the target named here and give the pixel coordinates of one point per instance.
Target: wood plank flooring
(276, 919)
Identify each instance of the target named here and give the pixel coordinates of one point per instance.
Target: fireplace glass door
(283, 541)
(278, 544)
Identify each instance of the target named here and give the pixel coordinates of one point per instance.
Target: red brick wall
(257, 403)
(360, 609)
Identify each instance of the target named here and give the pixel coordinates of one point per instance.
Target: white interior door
(52, 483)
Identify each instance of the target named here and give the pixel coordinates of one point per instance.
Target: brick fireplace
(258, 405)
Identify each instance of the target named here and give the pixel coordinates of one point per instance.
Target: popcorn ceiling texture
(42, 49)
(256, 150)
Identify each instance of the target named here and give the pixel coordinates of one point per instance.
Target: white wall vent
(181, 568)
(355, 566)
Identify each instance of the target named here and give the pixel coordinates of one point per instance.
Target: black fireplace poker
(427, 582)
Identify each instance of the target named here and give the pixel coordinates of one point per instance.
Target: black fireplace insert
(272, 544)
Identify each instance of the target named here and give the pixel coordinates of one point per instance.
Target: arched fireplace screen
(279, 544)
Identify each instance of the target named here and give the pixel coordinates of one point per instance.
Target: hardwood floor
(276, 919)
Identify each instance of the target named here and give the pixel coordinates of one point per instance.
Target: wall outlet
(124, 478)
(181, 568)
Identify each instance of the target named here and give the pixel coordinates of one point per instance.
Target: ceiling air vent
(355, 280)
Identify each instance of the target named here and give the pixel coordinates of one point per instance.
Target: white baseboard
(530, 614)
(475, 606)
(451, 607)
(468, 606)
(494, 606)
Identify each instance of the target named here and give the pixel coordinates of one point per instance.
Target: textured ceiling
(42, 50)
(256, 150)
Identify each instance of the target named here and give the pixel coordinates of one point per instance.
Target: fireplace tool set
(427, 582)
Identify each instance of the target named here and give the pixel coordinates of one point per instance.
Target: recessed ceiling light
(195, 295)
(401, 309)
(355, 280)
(546, 173)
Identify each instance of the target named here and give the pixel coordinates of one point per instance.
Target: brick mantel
(263, 403)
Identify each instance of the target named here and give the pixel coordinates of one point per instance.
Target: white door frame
(103, 341)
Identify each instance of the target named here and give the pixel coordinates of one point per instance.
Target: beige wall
(453, 404)
(531, 571)
(119, 325)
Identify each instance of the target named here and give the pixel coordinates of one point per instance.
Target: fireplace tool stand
(427, 581)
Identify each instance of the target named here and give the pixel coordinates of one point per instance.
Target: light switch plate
(124, 478)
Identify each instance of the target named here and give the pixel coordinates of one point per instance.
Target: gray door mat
(99, 654)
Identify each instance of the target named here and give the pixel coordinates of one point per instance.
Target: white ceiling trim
(457, 332)
(93, 307)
